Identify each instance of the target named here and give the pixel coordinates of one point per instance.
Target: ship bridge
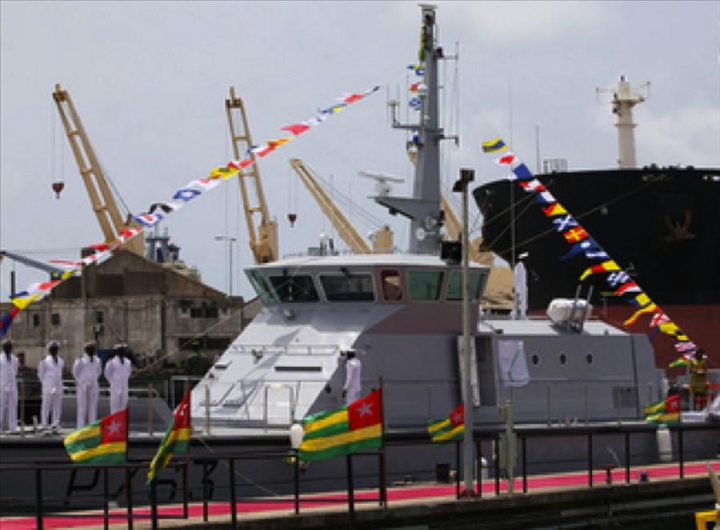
(289, 361)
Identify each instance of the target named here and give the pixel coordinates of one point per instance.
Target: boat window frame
(474, 297)
(348, 275)
(440, 288)
(268, 296)
(282, 298)
(392, 293)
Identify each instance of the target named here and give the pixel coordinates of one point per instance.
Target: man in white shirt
(50, 372)
(117, 372)
(353, 374)
(8, 386)
(86, 371)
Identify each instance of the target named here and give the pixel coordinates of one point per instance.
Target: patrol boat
(403, 314)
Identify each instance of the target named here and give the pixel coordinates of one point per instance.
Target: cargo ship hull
(661, 225)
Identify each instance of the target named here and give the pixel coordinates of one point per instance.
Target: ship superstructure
(403, 315)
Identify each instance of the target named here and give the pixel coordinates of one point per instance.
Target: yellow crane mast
(382, 238)
(262, 231)
(101, 197)
(344, 228)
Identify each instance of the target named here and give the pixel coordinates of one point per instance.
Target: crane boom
(262, 231)
(54, 272)
(101, 197)
(345, 229)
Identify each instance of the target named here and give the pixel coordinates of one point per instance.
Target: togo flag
(102, 442)
(176, 440)
(350, 429)
(450, 428)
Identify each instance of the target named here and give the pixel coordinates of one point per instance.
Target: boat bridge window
(294, 289)
(454, 290)
(424, 285)
(391, 285)
(262, 288)
(348, 287)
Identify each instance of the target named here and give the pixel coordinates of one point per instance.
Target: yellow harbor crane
(101, 196)
(382, 238)
(262, 231)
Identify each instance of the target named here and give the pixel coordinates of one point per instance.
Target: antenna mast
(623, 101)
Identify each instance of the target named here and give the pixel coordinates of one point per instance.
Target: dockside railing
(140, 502)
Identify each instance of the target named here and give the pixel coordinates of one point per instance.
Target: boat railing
(30, 397)
(217, 477)
(260, 350)
(563, 402)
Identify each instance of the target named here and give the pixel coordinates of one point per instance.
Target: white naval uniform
(117, 372)
(50, 374)
(8, 391)
(86, 371)
(353, 387)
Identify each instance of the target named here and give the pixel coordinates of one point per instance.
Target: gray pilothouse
(403, 315)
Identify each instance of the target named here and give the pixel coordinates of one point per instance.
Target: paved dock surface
(433, 506)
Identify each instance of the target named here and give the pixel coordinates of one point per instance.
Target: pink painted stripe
(535, 483)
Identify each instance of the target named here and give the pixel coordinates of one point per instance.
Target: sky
(149, 80)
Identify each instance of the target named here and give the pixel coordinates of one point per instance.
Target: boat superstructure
(403, 314)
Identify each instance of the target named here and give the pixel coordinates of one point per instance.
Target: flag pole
(186, 467)
(383, 454)
(461, 185)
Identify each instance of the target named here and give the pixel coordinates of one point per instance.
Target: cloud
(522, 23)
(688, 136)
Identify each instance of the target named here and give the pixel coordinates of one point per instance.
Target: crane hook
(58, 187)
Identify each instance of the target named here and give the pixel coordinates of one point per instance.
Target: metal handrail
(41, 468)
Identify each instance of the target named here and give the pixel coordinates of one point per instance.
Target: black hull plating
(662, 225)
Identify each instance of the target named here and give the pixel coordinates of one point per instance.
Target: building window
(36, 320)
(99, 317)
(55, 319)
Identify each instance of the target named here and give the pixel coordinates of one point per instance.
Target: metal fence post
(233, 506)
(351, 488)
(38, 498)
(106, 494)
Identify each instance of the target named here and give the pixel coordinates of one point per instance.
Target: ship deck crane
(262, 231)
(101, 196)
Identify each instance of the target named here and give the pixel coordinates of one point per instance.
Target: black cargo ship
(660, 224)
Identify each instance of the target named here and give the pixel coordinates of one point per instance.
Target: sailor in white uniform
(353, 374)
(86, 371)
(117, 372)
(521, 288)
(8, 386)
(50, 372)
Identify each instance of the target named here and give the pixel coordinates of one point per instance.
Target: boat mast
(423, 209)
(623, 101)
